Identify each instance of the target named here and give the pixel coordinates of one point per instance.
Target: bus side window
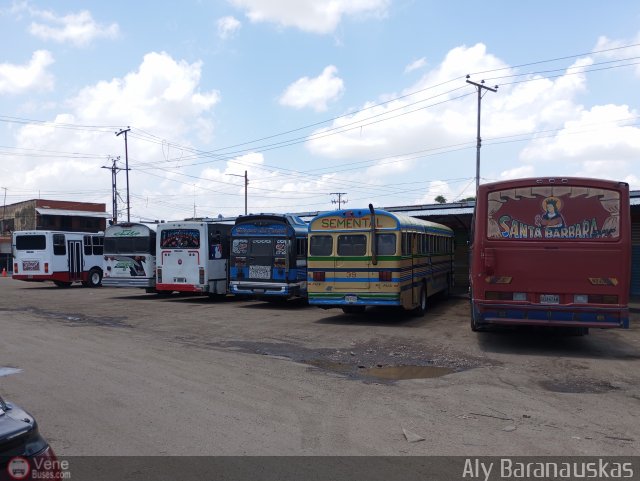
(59, 246)
(98, 245)
(301, 247)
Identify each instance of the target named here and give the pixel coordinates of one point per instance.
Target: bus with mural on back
(371, 257)
(61, 257)
(269, 257)
(192, 256)
(551, 252)
(130, 256)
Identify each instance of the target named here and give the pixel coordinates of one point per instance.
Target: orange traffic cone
(4, 272)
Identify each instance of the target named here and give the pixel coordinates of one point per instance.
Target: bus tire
(353, 309)
(62, 284)
(422, 302)
(95, 277)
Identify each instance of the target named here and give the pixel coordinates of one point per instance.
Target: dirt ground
(119, 372)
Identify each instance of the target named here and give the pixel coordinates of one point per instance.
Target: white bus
(130, 256)
(61, 257)
(193, 256)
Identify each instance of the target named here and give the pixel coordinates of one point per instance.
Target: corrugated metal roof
(74, 213)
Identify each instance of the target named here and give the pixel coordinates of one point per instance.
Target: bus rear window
(386, 244)
(127, 245)
(554, 213)
(31, 243)
(352, 245)
(180, 239)
(320, 245)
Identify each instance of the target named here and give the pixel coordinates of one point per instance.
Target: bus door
(75, 259)
(412, 248)
(352, 266)
(261, 259)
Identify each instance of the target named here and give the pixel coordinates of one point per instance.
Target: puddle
(578, 386)
(398, 373)
(388, 373)
(7, 371)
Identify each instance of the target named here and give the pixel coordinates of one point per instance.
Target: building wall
(23, 216)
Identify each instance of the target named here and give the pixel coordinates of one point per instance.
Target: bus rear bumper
(180, 288)
(145, 283)
(268, 289)
(339, 302)
(600, 317)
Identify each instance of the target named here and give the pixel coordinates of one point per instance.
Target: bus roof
(402, 220)
(555, 182)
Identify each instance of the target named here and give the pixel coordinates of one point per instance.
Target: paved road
(117, 372)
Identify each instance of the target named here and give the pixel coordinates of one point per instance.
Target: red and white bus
(551, 252)
(61, 257)
(193, 256)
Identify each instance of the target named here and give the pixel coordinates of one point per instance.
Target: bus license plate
(351, 299)
(549, 299)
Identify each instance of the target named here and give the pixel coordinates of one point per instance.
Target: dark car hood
(17, 429)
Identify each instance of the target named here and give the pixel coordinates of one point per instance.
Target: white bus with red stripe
(61, 257)
(192, 256)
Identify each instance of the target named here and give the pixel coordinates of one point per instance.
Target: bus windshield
(573, 213)
(180, 239)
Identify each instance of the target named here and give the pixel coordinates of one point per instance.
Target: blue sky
(310, 97)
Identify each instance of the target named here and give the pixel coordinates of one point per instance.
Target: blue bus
(269, 257)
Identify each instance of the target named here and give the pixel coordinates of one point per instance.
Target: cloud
(161, 96)
(314, 92)
(228, 27)
(618, 50)
(80, 28)
(416, 65)
(17, 79)
(315, 16)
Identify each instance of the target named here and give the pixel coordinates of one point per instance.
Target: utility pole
(126, 166)
(339, 201)
(4, 210)
(479, 87)
(114, 189)
(246, 185)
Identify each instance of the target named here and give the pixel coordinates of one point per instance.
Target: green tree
(440, 200)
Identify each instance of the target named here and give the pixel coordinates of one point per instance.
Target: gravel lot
(120, 372)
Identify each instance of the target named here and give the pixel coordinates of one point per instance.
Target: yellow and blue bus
(359, 258)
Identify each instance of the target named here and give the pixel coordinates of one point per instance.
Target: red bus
(551, 252)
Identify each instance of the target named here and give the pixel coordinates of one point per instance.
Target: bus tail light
(385, 276)
(201, 275)
(15, 267)
(46, 268)
(603, 299)
(159, 274)
(498, 296)
(319, 276)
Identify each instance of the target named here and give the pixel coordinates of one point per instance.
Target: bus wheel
(62, 284)
(422, 306)
(353, 309)
(95, 277)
